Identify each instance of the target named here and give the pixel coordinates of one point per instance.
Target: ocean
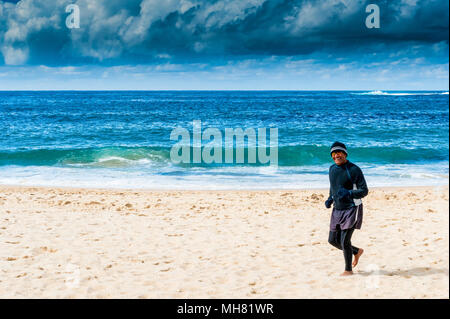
(121, 139)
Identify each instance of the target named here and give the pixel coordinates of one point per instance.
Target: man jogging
(347, 187)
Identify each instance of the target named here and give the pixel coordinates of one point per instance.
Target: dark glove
(328, 202)
(344, 195)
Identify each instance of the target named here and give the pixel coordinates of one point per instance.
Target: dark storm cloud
(152, 31)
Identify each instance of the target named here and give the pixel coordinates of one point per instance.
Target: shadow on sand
(407, 273)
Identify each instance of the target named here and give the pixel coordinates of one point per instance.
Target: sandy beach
(94, 243)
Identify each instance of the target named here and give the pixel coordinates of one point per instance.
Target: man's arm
(330, 196)
(329, 201)
(361, 185)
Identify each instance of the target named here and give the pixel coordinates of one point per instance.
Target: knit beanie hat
(338, 146)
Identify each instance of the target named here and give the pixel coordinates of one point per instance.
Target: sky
(224, 45)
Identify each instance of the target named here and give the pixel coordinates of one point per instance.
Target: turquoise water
(122, 138)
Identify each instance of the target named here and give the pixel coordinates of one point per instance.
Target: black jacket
(339, 178)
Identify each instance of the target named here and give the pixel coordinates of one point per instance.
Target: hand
(328, 203)
(344, 195)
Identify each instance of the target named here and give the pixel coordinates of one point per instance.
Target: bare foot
(347, 273)
(360, 252)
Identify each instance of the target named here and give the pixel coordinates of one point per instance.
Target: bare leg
(360, 252)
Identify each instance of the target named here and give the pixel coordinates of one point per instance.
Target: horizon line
(223, 90)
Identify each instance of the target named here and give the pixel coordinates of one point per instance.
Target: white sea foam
(174, 177)
(378, 92)
(113, 158)
(113, 161)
